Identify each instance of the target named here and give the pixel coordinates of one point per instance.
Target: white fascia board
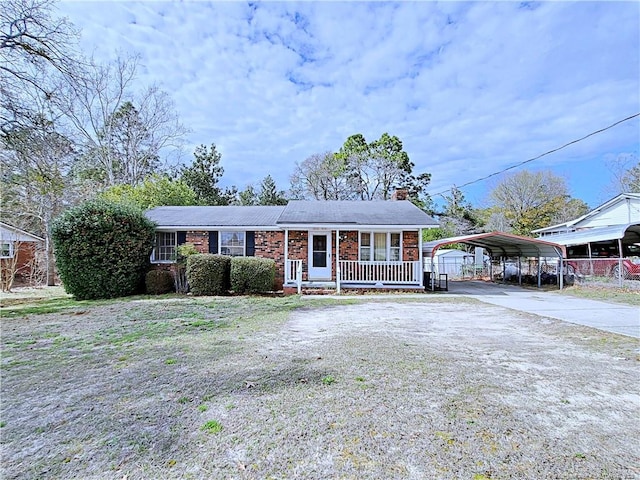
(352, 227)
(19, 231)
(215, 228)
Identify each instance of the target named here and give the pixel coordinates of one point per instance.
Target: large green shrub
(158, 282)
(102, 249)
(208, 274)
(252, 274)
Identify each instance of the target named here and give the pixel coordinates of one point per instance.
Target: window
(6, 250)
(386, 246)
(365, 247)
(232, 243)
(395, 247)
(165, 247)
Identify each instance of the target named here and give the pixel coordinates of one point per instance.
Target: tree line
(73, 128)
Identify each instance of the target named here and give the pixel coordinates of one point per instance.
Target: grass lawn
(239, 387)
(625, 295)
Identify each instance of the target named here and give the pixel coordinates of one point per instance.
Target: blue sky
(470, 88)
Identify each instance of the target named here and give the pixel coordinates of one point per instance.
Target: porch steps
(351, 289)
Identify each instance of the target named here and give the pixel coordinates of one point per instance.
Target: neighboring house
(17, 252)
(609, 234)
(621, 210)
(314, 243)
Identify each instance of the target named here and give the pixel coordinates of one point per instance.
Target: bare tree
(122, 134)
(625, 169)
(530, 200)
(36, 179)
(36, 49)
(321, 177)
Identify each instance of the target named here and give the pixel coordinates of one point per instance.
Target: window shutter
(182, 238)
(213, 242)
(251, 243)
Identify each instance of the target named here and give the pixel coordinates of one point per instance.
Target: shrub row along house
(335, 244)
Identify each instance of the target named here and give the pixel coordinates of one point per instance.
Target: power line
(541, 155)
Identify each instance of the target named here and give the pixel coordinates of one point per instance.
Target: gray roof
(297, 212)
(223, 216)
(341, 212)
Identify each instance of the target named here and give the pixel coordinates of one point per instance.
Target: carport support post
(539, 273)
(620, 271)
(433, 274)
(519, 271)
(504, 271)
(560, 272)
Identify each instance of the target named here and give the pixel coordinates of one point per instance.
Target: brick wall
(200, 240)
(410, 246)
(24, 254)
(348, 245)
(298, 249)
(271, 245)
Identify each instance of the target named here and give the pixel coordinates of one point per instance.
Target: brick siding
(200, 240)
(410, 246)
(270, 244)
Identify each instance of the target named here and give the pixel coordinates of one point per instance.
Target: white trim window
(6, 250)
(380, 246)
(233, 243)
(165, 247)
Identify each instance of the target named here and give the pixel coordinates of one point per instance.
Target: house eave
(215, 228)
(351, 226)
(21, 232)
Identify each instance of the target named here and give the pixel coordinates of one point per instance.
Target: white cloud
(470, 88)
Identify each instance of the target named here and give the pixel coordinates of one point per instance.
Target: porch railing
(352, 271)
(293, 272)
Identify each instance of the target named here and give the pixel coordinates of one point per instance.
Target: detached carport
(500, 244)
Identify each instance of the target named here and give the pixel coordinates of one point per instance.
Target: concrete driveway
(611, 317)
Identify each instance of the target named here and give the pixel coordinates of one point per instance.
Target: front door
(319, 255)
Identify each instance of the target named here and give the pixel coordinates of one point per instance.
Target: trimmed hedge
(159, 282)
(252, 274)
(102, 249)
(208, 274)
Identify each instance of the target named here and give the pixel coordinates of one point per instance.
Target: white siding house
(621, 210)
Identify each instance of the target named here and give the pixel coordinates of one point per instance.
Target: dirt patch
(382, 389)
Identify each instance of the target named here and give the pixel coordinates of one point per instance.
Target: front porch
(353, 275)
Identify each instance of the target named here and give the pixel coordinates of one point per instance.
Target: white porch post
(286, 254)
(337, 260)
(420, 257)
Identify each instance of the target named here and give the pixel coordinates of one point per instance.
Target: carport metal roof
(500, 244)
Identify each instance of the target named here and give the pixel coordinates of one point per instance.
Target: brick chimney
(400, 194)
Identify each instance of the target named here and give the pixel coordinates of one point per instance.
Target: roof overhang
(13, 234)
(500, 244)
(206, 228)
(627, 232)
(349, 226)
